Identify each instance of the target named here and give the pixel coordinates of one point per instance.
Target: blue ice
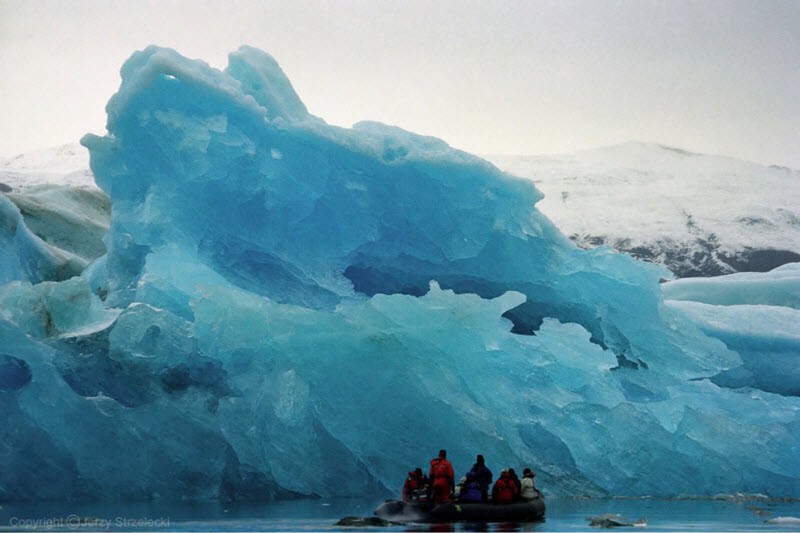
(289, 308)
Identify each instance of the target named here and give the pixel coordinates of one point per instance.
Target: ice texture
(52, 216)
(26, 257)
(780, 288)
(288, 308)
(757, 315)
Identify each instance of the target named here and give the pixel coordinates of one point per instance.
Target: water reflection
(563, 515)
(474, 526)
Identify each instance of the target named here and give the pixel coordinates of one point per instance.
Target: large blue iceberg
(290, 309)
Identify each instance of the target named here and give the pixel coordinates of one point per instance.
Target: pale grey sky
(502, 76)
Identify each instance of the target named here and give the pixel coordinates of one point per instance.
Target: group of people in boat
(439, 485)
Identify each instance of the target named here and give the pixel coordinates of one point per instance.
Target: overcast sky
(489, 76)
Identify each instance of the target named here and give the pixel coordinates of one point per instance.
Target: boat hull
(521, 511)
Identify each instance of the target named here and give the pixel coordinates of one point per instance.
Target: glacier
(291, 309)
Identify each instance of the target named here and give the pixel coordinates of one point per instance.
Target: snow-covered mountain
(699, 215)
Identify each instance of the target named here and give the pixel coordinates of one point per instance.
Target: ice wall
(288, 308)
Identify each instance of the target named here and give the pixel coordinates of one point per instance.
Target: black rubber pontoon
(413, 511)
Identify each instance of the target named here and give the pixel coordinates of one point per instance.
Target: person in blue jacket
(471, 491)
(482, 475)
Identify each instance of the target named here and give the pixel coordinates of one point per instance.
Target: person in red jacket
(416, 484)
(442, 478)
(410, 487)
(504, 490)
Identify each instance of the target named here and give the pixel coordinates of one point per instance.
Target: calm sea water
(322, 515)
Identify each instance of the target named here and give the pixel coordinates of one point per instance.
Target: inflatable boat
(455, 511)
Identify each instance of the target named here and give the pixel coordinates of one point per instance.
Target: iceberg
(291, 309)
(755, 315)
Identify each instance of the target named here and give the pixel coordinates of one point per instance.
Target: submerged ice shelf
(289, 308)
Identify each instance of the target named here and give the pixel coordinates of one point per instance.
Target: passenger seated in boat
(459, 487)
(471, 491)
(504, 490)
(422, 479)
(415, 486)
(482, 475)
(515, 478)
(527, 489)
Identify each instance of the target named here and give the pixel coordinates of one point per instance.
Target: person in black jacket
(482, 475)
(515, 478)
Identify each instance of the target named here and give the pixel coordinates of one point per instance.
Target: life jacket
(441, 469)
(504, 490)
(409, 487)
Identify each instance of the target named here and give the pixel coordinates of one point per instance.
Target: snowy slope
(700, 215)
(62, 165)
